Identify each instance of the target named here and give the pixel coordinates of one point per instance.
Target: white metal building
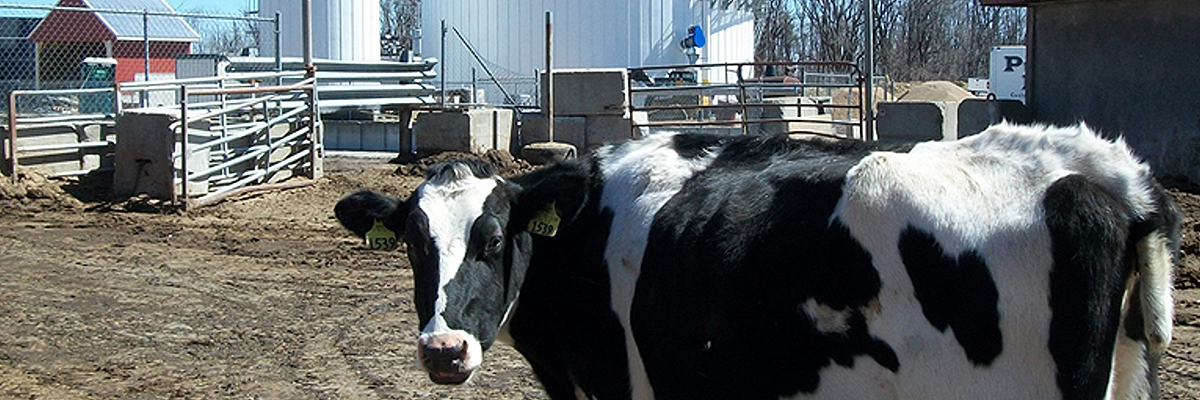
(510, 34)
(342, 29)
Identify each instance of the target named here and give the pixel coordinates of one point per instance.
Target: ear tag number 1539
(545, 222)
(380, 237)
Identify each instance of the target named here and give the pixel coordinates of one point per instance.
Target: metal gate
(815, 98)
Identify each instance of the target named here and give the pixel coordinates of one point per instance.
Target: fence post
(869, 92)
(549, 80)
(442, 65)
(183, 144)
(278, 51)
(316, 147)
(145, 54)
(12, 136)
(306, 34)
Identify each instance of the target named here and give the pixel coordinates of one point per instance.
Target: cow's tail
(1157, 252)
(1148, 310)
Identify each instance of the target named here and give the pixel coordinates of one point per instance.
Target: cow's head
(466, 231)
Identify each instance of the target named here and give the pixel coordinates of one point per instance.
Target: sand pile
(935, 91)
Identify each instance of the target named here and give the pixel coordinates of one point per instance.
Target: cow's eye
(494, 244)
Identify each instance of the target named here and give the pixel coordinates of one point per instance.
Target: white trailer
(1006, 79)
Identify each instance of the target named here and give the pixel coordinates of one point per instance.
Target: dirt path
(263, 298)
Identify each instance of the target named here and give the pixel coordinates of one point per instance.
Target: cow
(1025, 262)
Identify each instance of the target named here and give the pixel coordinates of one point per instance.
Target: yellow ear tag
(545, 222)
(380, 237)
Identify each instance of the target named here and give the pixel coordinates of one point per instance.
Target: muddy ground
(265, 297)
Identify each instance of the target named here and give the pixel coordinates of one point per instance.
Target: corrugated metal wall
(342, 29)
(626, 33)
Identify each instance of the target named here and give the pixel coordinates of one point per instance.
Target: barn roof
(72, 26)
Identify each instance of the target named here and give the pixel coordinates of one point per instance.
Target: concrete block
(975, 115)
(143, 155)
(566, 129)
(342, 135)
(600, 130)
(916, 121)
(591, 91)
(374, 136)
(476, 130)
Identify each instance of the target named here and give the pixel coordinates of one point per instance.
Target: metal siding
(587, 34)
(342, 29)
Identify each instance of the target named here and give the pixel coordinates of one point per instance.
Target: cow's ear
(359, 211)
(560, 190)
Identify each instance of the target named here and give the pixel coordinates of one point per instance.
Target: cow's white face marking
(638, 180)
(451, 208)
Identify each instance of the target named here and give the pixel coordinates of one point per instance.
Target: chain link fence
(103, 42)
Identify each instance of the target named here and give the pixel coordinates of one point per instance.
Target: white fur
(982, 193)
(827, 319)
(1154, 263)
(1127, 376)
(638, 180)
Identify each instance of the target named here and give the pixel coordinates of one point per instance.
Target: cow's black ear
(359, 211)
(565, 185)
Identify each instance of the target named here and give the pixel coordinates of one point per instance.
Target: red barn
(64, 38)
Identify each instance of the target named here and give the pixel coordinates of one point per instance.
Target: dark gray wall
(1129, 67)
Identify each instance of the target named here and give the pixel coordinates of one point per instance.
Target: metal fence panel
(112, 41)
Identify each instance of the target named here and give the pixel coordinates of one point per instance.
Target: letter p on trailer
(1006, 77)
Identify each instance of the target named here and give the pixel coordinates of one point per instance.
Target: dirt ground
(265, 297)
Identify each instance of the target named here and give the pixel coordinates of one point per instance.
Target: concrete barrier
(144, 156)
(475, 130)
(916, 121)
(975, 115)
(567, 129)
(583, 92)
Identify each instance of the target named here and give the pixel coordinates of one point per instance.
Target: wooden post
(549, 80)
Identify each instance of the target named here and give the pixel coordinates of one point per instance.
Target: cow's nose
(444, 354)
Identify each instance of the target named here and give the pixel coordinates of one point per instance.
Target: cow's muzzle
(448, 357)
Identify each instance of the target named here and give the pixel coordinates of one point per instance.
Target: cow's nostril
(444, 356)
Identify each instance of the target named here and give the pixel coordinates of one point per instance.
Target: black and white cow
(1020, 263)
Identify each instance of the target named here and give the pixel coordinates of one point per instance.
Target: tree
(223, 36)
(398, 22)
(914, 39)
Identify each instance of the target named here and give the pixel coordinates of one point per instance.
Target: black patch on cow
(1089, 238)
(729, 261)
(564, 324)
(697, 145)
(359, 211)
(956, 293)
(423, 257)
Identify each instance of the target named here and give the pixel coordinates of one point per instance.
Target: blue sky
(215, 6)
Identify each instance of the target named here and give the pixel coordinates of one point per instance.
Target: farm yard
(266, 297)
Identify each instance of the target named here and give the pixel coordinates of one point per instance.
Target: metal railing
(242, 152)
(73, 120)
(819, 98)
